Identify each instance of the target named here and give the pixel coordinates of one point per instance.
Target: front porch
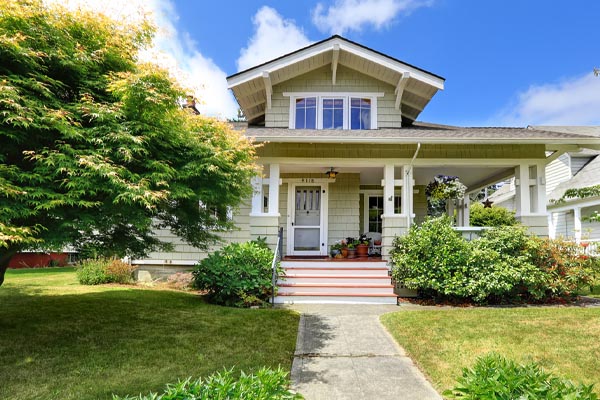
(377, 197)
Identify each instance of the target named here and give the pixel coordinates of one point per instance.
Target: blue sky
(509, 62)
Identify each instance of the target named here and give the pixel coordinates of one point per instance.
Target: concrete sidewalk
(343, 352)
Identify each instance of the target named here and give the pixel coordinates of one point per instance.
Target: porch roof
(426, 133)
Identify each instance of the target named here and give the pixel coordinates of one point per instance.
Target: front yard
(564, 340)
(62, 340)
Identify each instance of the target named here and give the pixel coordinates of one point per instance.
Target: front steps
(336, 282)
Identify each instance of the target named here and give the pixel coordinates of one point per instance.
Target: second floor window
(333, 110)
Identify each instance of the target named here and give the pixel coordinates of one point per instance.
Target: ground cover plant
(495, 377)
(266, 384)
(564, 341)
(239, 274)
(505, 264)
(63, 340)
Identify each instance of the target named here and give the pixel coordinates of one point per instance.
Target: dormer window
(333, 110)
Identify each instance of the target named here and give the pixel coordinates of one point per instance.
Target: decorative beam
(500, 176)
(334, 62)
(268, 88)
(400, 88)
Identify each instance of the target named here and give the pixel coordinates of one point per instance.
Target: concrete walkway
(343, 352)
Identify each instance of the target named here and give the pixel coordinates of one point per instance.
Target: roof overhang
(414, 87)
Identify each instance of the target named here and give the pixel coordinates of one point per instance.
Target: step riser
(384, 280)
(333, 265)
(330, 289)
(334, 300)
(329, 271)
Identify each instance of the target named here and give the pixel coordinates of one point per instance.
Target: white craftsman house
(342, 154)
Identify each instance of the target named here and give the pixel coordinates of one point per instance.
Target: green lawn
(564, 340)
(61, 340)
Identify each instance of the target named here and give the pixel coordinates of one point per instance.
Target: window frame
(346, 96)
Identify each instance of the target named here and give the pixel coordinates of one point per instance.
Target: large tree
(95, 149)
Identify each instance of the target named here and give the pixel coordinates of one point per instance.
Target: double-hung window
(333, 110)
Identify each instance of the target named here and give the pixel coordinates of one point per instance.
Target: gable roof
(587, 176)
(252, 87)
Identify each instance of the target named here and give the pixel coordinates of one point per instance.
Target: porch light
(331, 174)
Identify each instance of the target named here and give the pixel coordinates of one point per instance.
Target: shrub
(494, 377)
(102, 270)
(568, 270)
(237, 275)
(494, 216)
(266, 384)
(501, 269)
(432, 257)
(92, 272)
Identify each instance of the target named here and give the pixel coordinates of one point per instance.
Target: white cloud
(273, 37)
(574, 101)
(348, 15)
(171, 50)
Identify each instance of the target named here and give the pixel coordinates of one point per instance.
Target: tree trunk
(4, 260)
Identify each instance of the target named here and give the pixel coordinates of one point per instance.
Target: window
(306, 113)
(333, 110)
(333, 113)
(360, 113)
(375, 211)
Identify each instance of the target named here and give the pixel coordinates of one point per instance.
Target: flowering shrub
(102, 270)
(504, 265)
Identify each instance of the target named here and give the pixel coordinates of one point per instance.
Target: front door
(308, 208)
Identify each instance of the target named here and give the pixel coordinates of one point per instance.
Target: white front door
(307, 205)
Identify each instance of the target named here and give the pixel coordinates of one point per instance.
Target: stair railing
(276, 257)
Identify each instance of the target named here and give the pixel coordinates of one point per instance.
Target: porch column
(407, 192)
(463, 211)
(551, 227)
(577, 224)
(257, 196)
(530, 198)
(274, 189)
(388, 189)
(394, 224)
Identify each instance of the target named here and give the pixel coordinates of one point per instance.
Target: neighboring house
(569, 170)
(342, 154)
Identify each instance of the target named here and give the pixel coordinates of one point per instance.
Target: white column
(540, 189)
(388, 189)
(460, 212)
(577, 223)
(257, 196)
(407, 192)
(274, 189)
(551, 227)
(522, 200)
(466, 211)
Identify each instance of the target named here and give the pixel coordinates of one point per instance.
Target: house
(342, 154)
(572, 168)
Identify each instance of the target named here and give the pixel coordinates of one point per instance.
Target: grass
(62, 340)
(565, 341)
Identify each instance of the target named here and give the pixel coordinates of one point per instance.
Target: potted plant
(344, 248)
(362, 248)
(336, 250)
(442, 190)
(351, 244)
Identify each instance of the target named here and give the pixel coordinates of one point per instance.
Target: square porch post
(530, 197)
(265, 224)
(395, 224)
(577, 224)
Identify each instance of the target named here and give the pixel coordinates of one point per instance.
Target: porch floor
(330, 259)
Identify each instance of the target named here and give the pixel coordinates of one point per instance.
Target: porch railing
(470, 232)
(276, 257)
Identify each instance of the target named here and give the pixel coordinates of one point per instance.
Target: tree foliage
(96, 150)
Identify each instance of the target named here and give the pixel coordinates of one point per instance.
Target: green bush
(433, 258)
(504, 265)
(493, 216)
(266, 384)
(237, 275)
(494, 377)
(92, 272)
(102, 270)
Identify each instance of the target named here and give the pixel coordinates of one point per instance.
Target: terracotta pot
(344, 252)
(362, 250)
(351, 253)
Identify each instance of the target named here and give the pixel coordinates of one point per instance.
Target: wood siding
(557, 171)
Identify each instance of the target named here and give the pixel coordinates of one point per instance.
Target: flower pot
(334, 253)
(362, 250)
(351, 253)
(344, 253)
(377, 242)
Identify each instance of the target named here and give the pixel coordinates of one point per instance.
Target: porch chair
(374, 250)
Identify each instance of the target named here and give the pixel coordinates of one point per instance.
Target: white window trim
(346, 96)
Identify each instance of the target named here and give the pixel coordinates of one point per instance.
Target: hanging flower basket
(445, 187)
